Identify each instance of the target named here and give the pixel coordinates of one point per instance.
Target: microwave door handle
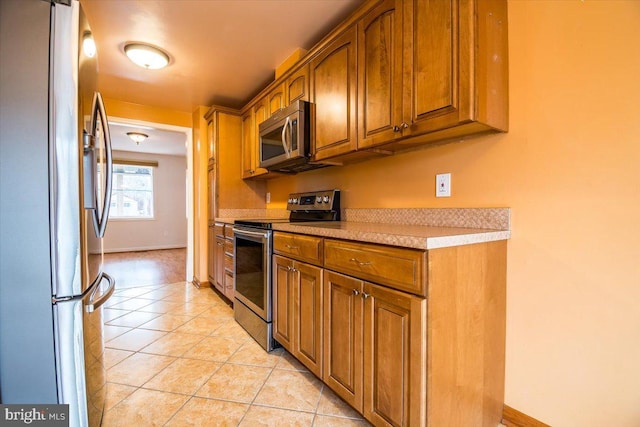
(285, 145)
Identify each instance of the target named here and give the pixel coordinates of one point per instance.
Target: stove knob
(295, 200)
(318, 199)
(290, 200)
(325, 199)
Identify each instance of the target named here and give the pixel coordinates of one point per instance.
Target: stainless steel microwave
(285, 139)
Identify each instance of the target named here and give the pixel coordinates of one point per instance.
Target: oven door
(253, 269)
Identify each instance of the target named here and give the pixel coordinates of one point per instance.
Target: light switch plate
(443, 185)
(268, 198)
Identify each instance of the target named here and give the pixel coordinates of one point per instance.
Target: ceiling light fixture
(88, 45)
(137, 137)
(146, 56)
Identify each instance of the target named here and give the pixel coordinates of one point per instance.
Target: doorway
(154, 243)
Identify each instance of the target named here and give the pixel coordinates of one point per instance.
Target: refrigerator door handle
(101, 218)
(89, 169)
(93, 304)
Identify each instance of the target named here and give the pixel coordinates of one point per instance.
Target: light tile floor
(175, 357)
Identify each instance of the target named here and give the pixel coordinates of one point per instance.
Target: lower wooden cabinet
(343, 305)
(297, 289)
(398, 358)
(375, 349)
(218, 266)
(394, 357)
(211, 255)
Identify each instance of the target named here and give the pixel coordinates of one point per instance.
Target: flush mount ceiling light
(137, 137)
(146, 56)
(88, 45)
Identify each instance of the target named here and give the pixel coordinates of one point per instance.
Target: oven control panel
(326, 200)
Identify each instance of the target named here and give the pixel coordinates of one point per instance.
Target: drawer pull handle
(360, 263)
(356, 292)
(220, 244)
(291, 247)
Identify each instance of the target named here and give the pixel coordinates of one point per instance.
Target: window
(132, 191)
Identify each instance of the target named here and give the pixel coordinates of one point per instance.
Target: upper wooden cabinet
(333, 82)
(250, 137)
(431, 70)
(297, 85)
(380, 74)
(276, 99)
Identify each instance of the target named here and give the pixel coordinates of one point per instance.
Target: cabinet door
(342, 356)
(211, 191)
(297, 85)
(438, 57)
(333, 92)
(211, 251)
(248, 144)
(276, 99)
(283, 301)
(380, 75)
(307, 345)
(394, 357)
(250, 139)
(219, 264)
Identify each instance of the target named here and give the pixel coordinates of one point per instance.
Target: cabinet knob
(399, 128)
(356, 292)
(365, 295)
(360, 263)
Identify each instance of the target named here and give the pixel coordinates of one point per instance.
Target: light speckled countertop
(421, 228)
(408, 236)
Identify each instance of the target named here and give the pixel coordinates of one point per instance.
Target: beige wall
(570, 170)
(168, 228)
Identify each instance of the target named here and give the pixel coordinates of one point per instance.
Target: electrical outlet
(443, 185)
(268, 197)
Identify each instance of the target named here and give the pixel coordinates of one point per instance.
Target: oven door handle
(243, 232)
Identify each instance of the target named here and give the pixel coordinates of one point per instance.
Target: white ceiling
(223, 51)
(160, 141)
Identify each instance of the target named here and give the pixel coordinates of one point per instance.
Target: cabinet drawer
(228, 263)
(403, 269)
(228, 247)
(228, 232)
(304, 248)
(219, 228)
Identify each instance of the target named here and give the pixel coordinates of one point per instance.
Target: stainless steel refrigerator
(55, 173)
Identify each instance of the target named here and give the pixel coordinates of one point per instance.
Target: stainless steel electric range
(253, 257)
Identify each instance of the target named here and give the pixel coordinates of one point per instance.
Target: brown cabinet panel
(380, 75)
(250, 139)
(219, 265)
(401, 268)
(276, 99)
(298, 246)
(211, 254)
(308, 316)
(343, 336)
(394, 357)
(283, 301)
(211, 192)
(333, 92)
(297, 85)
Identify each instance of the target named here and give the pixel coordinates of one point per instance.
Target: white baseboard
(144, 248)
